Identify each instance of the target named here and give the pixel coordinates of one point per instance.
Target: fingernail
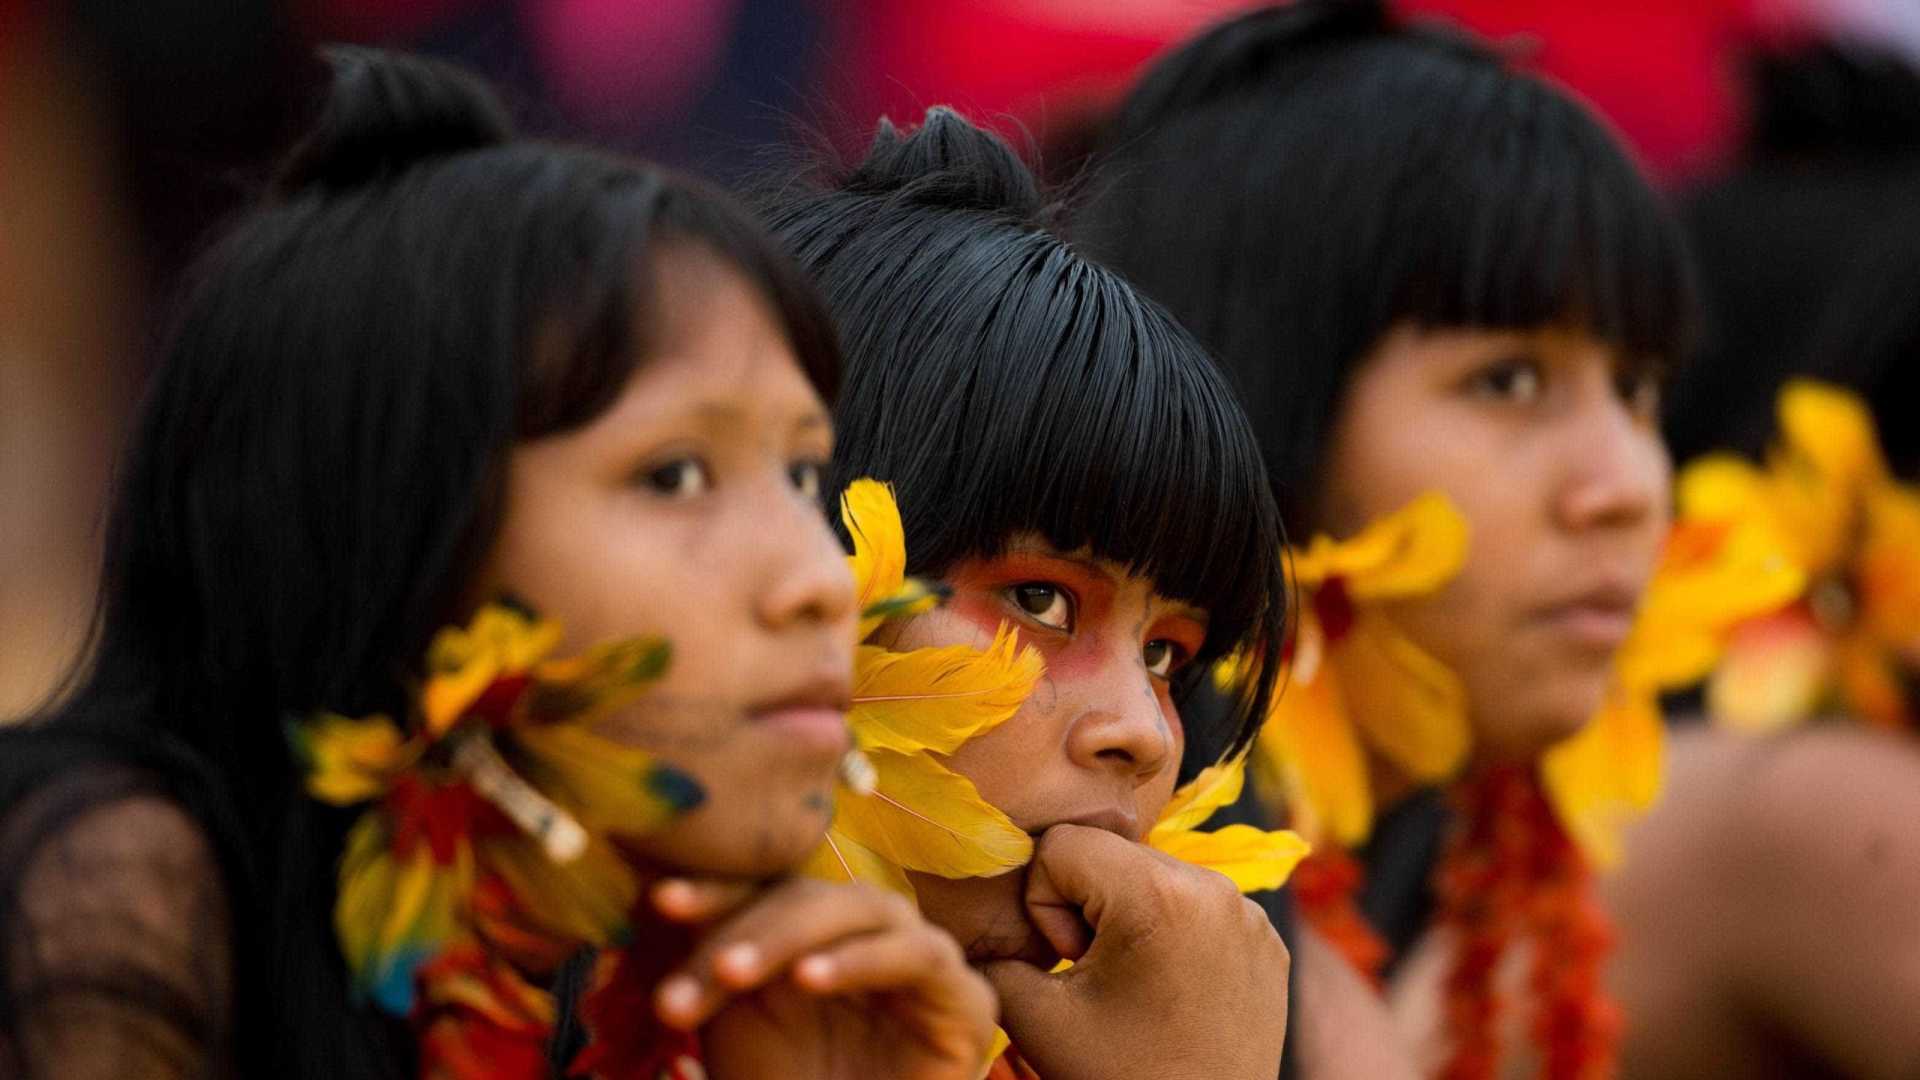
(740, 961)
(677, 996)
(674, 895)
(815, 971)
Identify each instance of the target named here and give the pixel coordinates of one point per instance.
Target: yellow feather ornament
(909, 709)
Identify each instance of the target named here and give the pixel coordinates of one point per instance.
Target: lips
(813, 715)
(1598, 617)
(1122, 823)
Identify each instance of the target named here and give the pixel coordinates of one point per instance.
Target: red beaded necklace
(1510, 872)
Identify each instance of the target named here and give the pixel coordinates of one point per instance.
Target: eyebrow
(1097, 568)
(1029, 550)
(722, 414)
(1184, 610)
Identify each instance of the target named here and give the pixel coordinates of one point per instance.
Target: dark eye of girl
(1510, 380)
(808, 478)
(1641, 392)
(1049, 605)
(1163, 657)
(681, 479)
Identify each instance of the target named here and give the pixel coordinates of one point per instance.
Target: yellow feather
(913, 597)
(599, 681)
(1256, 859)
(386, 910)
(348, 760)
(997, 1047)
(840, 858)
(1414, 550)
(1888, 567)
(1832, 430)
(1410, 706)
(1194, 803)
(447, 695)
(366, 892)
(1309, 749)
(923, 816)
(463, 662)
(936, 699)
(1609, 773)
(586, 899)
(606, 785)
(879, 558)
(1711, 577)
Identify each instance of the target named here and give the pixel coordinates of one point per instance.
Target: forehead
(1409, 342)
(715, 345)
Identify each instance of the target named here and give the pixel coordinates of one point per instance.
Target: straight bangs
(1493, 233)
(1300, 180)
(1005, 385)
(1113, 434)
(614, 238)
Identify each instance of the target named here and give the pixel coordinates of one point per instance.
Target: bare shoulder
(1341, 1027)
(1835, 804)
(1777, 888)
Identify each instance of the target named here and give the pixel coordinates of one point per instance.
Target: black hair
(1003, 384)
(1807, 250)
(1868, 340)
(1298, 180)
(318, 470)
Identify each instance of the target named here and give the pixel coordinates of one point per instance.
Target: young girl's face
(1549, 446)
(1097, 743)
(691, 509)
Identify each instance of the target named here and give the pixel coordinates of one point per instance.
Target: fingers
(1034, 1005)
(918, 956)
(759, 941)
(691, 901)
(1082, 876)
(922, 961)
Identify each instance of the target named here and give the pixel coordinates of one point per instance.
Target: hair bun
(386, 111)
(948, 162)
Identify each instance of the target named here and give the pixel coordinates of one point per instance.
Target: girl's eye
(1163, 657)
(681, 479)
(1049, 605)
(808, 479)
(1641, 392)
(1518, 381)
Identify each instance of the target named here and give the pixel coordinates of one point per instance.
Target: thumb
(1032, 1002)
(1081, 878)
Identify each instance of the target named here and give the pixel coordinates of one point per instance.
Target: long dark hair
(1297, 180)
(1004, 383)
(318, 469)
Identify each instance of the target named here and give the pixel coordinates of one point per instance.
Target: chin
(765, 839)
(1554, 722)
(987, 916)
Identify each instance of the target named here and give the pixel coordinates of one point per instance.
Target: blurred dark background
(1787, 130)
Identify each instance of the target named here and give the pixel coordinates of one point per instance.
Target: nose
(1617, 473)
(809, 582)
(1122, 729)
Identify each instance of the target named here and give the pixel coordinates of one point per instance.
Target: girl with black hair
(1068, 461)
(1427, 272)
(438, 366)
(1447, 299)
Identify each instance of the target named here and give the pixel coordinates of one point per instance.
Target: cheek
(1009, 762)
(1152, 798)
(979, 614)
(605, 568)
